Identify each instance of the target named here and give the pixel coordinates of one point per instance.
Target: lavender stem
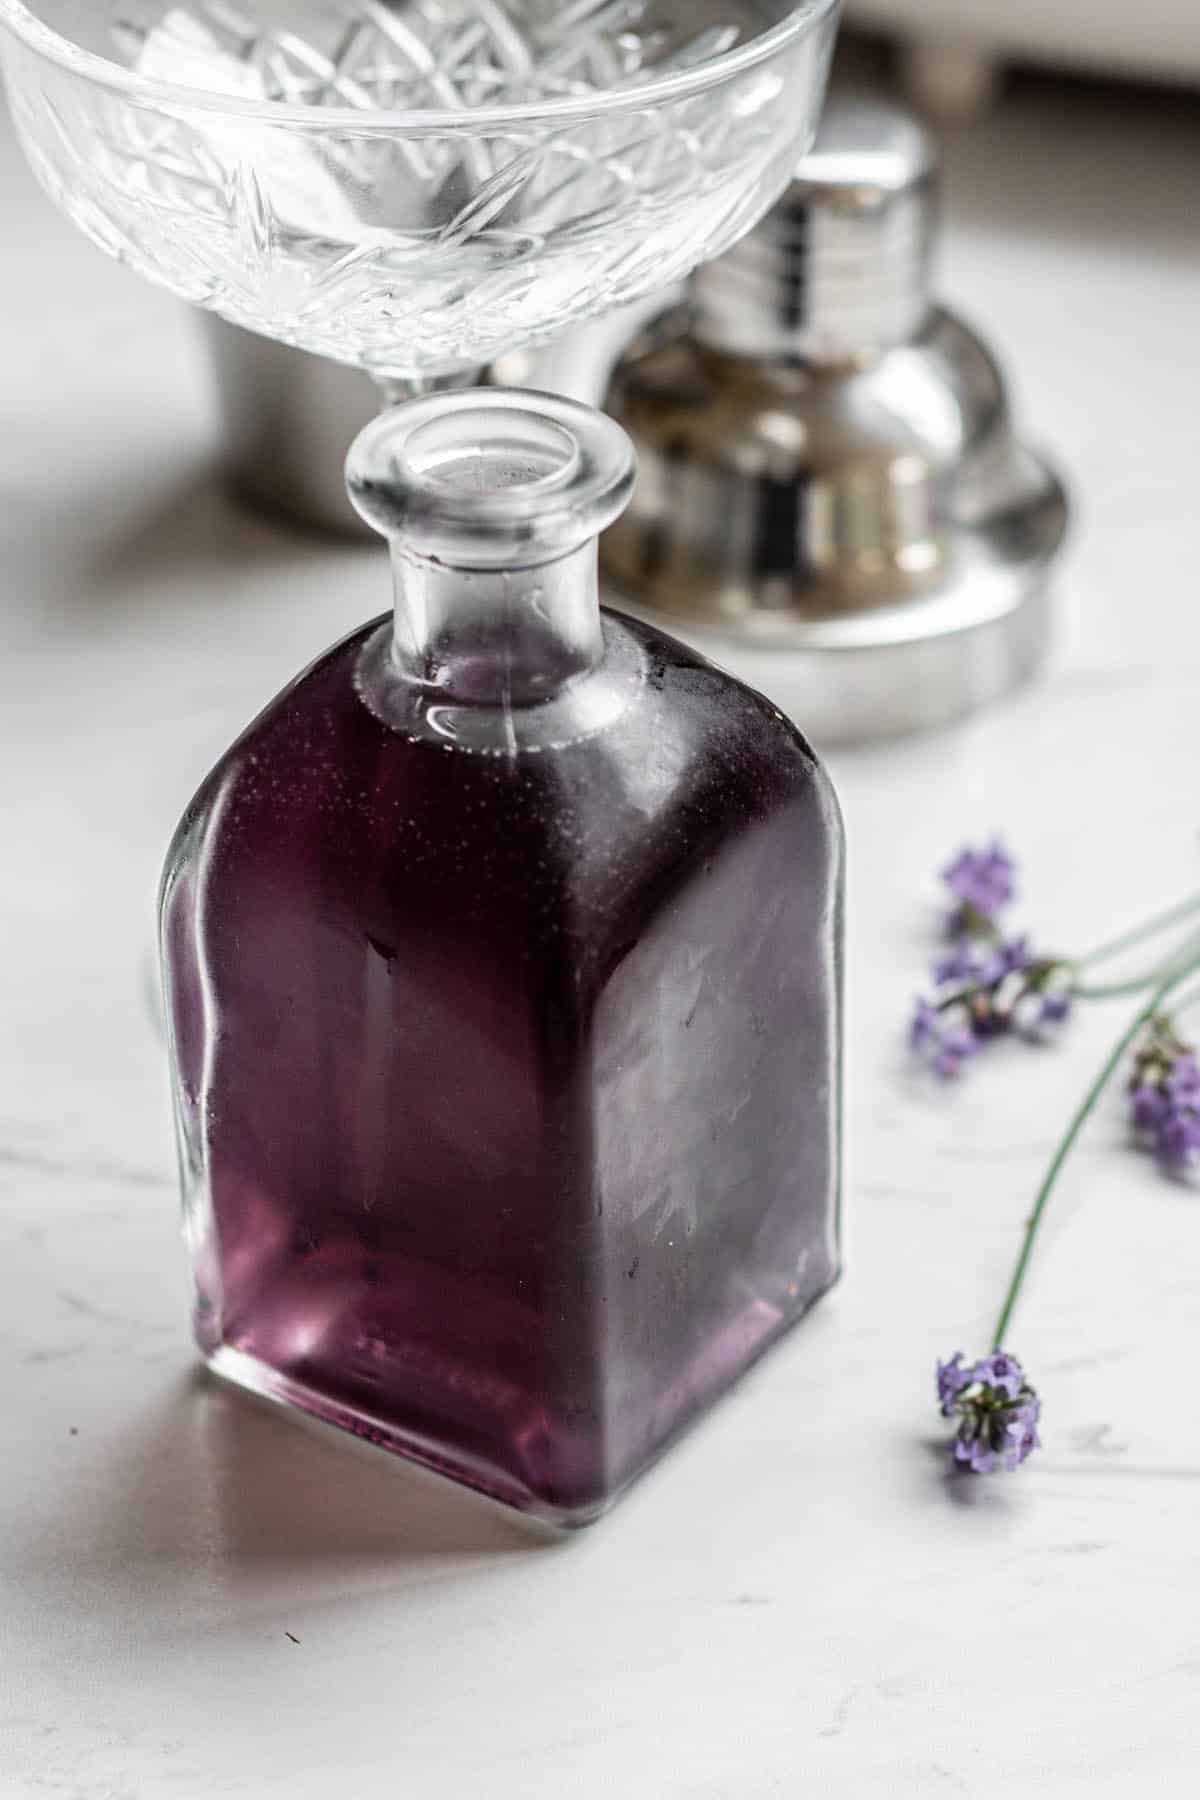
(1087, 1106)
(1138, 933)
(1116, 990)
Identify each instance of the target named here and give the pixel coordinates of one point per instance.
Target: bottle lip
(491, 478)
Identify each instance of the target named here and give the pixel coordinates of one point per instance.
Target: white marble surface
(796, 1602)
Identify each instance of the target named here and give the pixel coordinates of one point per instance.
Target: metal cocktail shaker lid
(840, 268)
(828, 462)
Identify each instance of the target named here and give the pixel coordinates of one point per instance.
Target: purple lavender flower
(1183, 1083)
(1010, 957)
(1042, 1008)
(1056, 1007)
(1022, 1432)
(1165, 1095)
(981, 994)
(982, 882)
(926, 1026)
(1001, 1371)
(964, 963)
(1005, 1438)
(969, 962)
(957, 1046)
(951, 1379)
(942, 1038)
(985, 984)
(1178, 1137)
(997, 1412)
(1151, 1107)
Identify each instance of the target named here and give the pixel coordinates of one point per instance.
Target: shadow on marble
(132, 534)
(196, 524)
(960, 1488)
(214, 1477)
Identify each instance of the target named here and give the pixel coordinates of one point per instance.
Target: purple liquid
(508, 1088)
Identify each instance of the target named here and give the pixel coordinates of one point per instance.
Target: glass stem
(1087, 1106)
(394, 391)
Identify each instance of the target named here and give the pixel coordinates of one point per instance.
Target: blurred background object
(828, 465)
(288, 418)
(953, 53)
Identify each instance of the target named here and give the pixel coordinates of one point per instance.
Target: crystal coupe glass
(414, 186)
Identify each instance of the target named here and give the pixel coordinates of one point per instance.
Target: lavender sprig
(997, 1412)
(945, 1042)
(981, 993)
(983, 882)
(1165, 1094)
(992, 1427)
(987, 984)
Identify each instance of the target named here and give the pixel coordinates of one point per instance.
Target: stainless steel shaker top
(827, 457)
(840, 268)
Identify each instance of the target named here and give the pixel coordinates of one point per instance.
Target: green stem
(1116, 990)
(1111, 1064)
(1138, 933)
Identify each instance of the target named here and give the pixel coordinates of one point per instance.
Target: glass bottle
(502, 962)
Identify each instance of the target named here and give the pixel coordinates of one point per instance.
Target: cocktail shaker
(829, 474)
(288, 418)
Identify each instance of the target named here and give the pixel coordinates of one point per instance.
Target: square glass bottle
(502, 959)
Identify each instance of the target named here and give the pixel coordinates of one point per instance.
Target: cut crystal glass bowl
(418, 185)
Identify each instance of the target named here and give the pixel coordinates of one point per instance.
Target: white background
(796, 1601)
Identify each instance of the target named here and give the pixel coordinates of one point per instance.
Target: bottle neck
(492, 503)
(496, 637)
